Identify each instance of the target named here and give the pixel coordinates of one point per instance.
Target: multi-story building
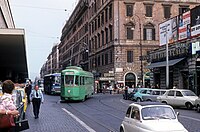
(180, 45)
(117, 35)
(52, 63)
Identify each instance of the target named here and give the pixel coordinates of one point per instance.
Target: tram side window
(82, 80)
(76, 80)
(87, 80)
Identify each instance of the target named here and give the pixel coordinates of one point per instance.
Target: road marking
(190, 118)
(121, 100)
(79, 121)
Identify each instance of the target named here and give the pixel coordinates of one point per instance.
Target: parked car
(139, 92)
(151, 117)
(197, 104)
(153, 95)
(24, 98)
(179, 97)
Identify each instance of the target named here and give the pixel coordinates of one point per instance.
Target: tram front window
(69, 80)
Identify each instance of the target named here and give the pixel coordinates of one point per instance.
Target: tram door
(130, 80)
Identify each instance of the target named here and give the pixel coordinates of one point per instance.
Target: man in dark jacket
(28, 90)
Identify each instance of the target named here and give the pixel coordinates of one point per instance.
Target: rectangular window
(99, 40)
(111, 56)
(99, 21)
(102, 60)
(106, 36)
(129, 33)
(102, 18)
(110, 11)
(106, 14)
(111, 34)
(149, 34)
(99, 61)
(183, 9)
(129, 56)
(102, 37)
(167, 11)
(149, 10)
(129, 10)
(106, 59)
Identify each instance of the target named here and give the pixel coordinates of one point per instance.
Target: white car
(179, 97)
(197, 104)
(151, 117)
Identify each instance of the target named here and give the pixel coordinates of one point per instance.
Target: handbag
(21, 125)
(7, 121)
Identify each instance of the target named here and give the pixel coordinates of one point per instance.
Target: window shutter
(144, 34)
(153, 34)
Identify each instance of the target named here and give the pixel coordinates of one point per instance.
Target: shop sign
(108, 74)
(106, 79)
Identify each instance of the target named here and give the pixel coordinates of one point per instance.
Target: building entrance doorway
(130, 80)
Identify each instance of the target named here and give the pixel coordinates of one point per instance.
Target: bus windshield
(69, 79)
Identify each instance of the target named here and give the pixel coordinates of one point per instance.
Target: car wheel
(139, 100)
(121, 129)
(198, 108)
(149, 100)
(189, 106)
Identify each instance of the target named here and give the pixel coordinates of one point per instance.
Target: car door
(126, 121)
(135, 123)
(179, 99)
(170, 97)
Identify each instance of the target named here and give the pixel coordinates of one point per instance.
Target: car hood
(163, 125)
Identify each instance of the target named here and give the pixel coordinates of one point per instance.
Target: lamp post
(140, 44)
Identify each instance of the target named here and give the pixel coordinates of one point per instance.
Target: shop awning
(163, 63)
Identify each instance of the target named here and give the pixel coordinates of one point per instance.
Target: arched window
(149, 32)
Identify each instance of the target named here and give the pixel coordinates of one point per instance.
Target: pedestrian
(28, 89)
(37, 98)
(7, 104)
(126, 92)
(110, 88)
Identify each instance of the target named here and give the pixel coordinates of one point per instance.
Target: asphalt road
(101, 113)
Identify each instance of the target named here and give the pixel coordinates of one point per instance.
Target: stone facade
(114, 32)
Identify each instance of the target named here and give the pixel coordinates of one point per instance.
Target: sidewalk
(52, 119)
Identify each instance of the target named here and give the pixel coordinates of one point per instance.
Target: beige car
(197, 104)
(179, 98)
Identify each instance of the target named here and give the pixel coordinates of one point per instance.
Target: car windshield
(188, 93)
(157, 112)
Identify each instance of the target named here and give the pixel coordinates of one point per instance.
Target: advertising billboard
(168, 31)
(184, 30)
(195, 21)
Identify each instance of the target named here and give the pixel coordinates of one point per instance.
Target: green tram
(76, 84)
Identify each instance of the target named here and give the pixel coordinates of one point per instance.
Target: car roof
(146, 103)
(179, 89)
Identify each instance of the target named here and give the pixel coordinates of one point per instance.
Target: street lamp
(140, 43)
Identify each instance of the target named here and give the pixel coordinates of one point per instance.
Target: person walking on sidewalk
(36, 98)
(28, 89)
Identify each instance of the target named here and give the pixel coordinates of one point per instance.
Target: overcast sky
(43, 21)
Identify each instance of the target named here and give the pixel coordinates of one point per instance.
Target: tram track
(110, 129)
(99, 110)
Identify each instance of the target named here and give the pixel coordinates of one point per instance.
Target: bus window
(69, 79)
(76, 80)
